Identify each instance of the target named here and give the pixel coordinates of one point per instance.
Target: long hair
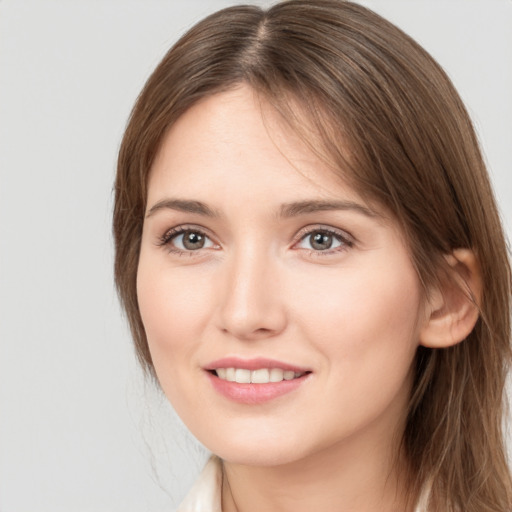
(381, 112)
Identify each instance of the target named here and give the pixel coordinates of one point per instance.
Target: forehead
(234, 144)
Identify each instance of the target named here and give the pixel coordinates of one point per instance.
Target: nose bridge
(251, 305)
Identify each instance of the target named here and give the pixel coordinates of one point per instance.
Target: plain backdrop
(80, 430)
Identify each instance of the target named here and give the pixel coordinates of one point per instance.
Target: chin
(264, 451)
(258, 457)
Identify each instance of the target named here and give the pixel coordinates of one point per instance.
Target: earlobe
(453, 307)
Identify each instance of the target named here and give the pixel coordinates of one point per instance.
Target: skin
(353, 314)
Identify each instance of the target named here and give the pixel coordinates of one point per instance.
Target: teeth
(276, 375)
(230, 374)
(260, 376)
(242, 376)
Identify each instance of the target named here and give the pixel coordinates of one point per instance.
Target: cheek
(363, 328)
(369, 313)
(173, 308)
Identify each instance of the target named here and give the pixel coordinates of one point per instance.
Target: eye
(319, 240)
(186, 240)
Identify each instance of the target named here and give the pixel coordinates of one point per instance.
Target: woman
(313, 268)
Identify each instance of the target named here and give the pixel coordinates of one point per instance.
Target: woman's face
(282, 313)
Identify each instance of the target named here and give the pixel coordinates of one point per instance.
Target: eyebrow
(304, 207)
(183, 205)
(287, 210)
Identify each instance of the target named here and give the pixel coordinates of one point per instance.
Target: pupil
(321, 241)
(193, 240)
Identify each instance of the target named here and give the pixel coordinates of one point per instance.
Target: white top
(205, 494)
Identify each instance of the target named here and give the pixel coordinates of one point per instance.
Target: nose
(252, 302)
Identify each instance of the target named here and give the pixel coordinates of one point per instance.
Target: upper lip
(253, 364)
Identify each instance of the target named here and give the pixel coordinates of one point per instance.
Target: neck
(352, 477)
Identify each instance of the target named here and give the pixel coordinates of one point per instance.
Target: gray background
(80, 430)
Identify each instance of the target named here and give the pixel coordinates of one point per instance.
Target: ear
(453, 306)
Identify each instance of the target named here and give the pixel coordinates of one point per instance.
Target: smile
(255, 381)
(259, 376)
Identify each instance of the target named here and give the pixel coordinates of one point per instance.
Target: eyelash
(346, 241)
(167, 238)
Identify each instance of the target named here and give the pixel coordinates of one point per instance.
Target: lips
(255, 381)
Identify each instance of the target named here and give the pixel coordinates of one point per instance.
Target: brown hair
(408, 145)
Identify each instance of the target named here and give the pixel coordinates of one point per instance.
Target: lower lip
(255, 393)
